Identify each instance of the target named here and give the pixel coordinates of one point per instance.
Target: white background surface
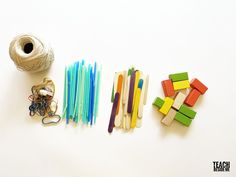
(158, 37)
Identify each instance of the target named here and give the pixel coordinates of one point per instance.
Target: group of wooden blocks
(129, 95)
(178, 101)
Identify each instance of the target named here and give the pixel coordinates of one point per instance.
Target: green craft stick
(187, 111)
(112, 94)
(158, 102)
(183, 119)
(65, 95)
(178, 76)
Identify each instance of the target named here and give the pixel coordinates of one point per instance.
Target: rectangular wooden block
(195, 83)
(168, 88)
(168, 102)
(158, 102)
(178, 76)
(179, 100)
(181, 85)
(187, 111)
(192, 97)
(168, 119)
(183, 119)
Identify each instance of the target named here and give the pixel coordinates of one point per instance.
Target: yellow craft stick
(137, 77)
(136, 104)
(168, 102)
(181, 85)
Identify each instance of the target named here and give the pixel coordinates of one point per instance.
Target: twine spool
(30, 54)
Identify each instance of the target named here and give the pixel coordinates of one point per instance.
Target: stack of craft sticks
(81, 93)
(177, 103)
(129, 94)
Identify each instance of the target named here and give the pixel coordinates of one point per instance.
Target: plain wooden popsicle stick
(128, 121)
(141, 103)
(127, 96)
(146, 84)
(125, 74)
(139, 123)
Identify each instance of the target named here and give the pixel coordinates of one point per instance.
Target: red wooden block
(168, 88)
(195, 83)
(192, 97)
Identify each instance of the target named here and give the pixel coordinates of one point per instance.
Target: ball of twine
(30, 54)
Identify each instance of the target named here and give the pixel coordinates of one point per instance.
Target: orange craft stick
(119, 90)
(192, 97)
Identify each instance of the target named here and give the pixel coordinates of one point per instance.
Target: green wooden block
(158, 102)
(187, 111)
(183, 119)
(178, 76)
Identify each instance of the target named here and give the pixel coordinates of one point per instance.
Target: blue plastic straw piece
(93, 93)
(77, 89)
(68, 97)
(89, 93)
(91, 97)
(83, 104)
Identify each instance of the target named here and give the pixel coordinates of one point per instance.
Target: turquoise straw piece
(65, 95)
(97, 94)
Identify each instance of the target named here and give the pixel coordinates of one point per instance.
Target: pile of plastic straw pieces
(81, 93)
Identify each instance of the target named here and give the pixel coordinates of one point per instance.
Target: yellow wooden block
(168, 102)
(181, 85)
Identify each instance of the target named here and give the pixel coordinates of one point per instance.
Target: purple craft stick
(113, 112)
(131, 92)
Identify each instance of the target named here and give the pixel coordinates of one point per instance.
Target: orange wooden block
(168, 88)
(192, 97)
(195, 83)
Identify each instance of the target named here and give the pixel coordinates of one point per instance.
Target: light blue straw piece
(97, 94)
(65, 95)
(83, 95)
